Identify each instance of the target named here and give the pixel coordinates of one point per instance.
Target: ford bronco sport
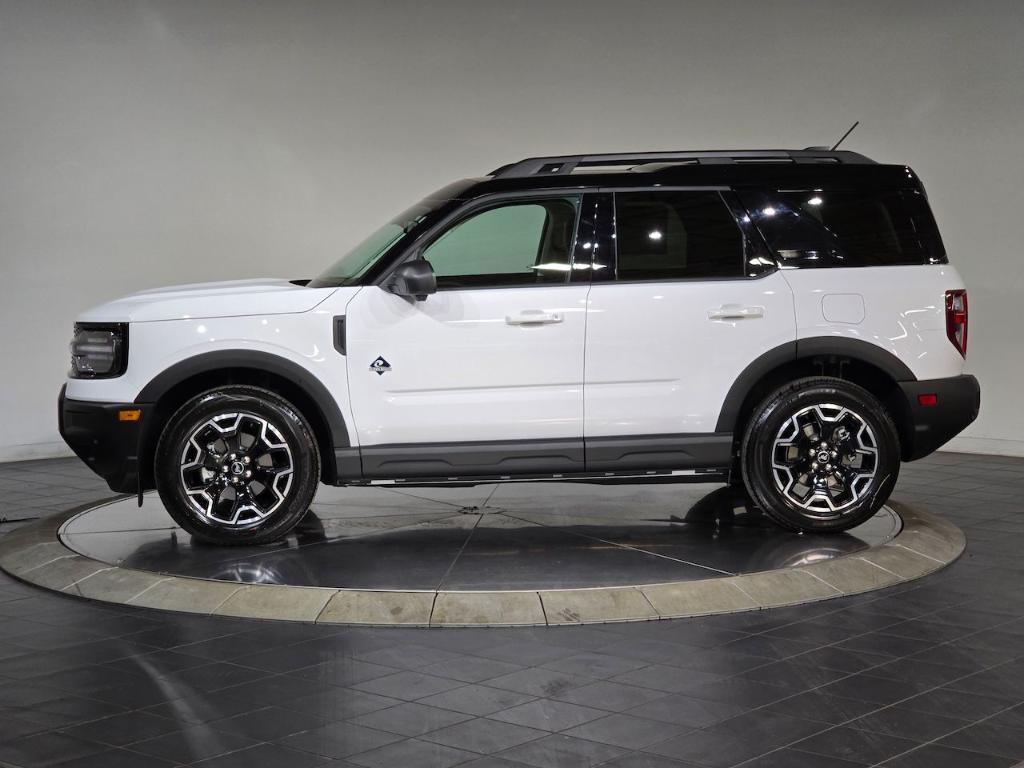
(784, 319)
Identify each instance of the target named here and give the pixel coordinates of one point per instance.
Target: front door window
(515, 244)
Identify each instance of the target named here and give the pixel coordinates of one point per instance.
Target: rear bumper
(958, 399)
(109, 446)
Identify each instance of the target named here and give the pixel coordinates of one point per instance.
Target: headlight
(99, 350)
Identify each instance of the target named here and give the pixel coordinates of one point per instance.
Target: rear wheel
(237, 465)
(821, 454)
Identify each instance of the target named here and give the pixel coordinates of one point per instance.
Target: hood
(231, 298)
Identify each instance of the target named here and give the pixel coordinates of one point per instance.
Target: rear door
(688, 301)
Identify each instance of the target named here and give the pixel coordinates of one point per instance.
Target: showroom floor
(927, 674)
(514, 536)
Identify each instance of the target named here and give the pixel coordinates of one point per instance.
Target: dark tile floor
(925, 675)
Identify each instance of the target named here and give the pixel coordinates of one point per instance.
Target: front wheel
(820, 455)
(237, 465)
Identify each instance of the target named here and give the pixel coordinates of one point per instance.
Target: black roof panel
(780, 169)
(631, 161)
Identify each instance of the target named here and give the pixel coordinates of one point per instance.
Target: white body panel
(461, 371)
(654, 359)
(201, 300)
(902, 310)
(658, 360)
(303, 338)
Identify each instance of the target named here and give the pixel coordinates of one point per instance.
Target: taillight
(956, 319)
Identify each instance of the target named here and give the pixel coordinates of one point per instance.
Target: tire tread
(766, 409)
(273, 531)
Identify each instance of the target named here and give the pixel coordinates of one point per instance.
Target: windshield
(353, 265)
(350, 267)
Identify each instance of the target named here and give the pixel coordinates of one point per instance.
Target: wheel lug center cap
(823, 457)
(237, 468)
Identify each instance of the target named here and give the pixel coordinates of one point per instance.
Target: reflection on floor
(930, 673)
(515, 536)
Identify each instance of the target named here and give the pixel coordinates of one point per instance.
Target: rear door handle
(533, 317)
(735, 312)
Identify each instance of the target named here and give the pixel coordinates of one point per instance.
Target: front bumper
(109, 446)
(958, 399)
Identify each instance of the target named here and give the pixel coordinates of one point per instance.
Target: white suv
(787, 319)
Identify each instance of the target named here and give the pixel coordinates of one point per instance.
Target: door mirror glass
(412, 279)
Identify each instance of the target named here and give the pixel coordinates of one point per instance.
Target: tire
(853, 467)
(237, 465)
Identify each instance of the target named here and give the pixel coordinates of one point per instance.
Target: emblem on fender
(380, 366)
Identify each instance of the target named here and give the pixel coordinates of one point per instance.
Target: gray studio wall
(148, 143)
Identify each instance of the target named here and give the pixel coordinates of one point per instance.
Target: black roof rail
(566, 164)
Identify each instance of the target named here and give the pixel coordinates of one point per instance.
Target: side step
(713, 475)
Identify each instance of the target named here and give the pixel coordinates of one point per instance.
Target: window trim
(754, 245)
(415, 249)
(596, 230)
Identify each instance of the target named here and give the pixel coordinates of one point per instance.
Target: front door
(486, 375)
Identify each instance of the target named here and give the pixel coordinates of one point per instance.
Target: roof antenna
(844, 136)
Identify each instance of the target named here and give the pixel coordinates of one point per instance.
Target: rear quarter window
(823, 228)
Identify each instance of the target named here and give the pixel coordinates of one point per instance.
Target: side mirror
(413, 278)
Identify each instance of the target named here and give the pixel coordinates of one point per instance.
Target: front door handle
(533, 317)
(735, 312)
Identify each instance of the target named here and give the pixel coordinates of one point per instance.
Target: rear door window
(676, 235)
(823, 228)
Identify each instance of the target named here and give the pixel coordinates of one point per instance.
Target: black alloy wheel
(237, 465)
